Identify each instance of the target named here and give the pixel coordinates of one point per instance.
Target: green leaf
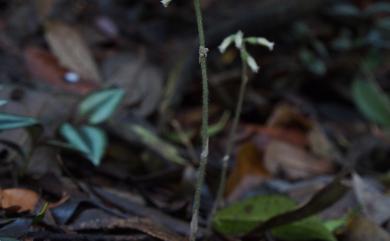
(372, 101)
(8, 121)
(242, 217)
(99, 106)
(335, 224)
(157, 145)
(88, 140)
(219, 126)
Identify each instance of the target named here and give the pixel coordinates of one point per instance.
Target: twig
(205, 138)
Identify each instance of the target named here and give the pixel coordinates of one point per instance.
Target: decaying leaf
(362, 229)
(248, 171)
(286, 115)
(293, 161)
(141, 81)
(45, 68)
(144, 225)
(375, 205)
(18, 199)
(71, 50)
(320, 144)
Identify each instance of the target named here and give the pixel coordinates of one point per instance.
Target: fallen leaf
(144, 225)
(320, 145)
(248, 171)
(71, 50)
(18, 199)
(361, 229)
(44, 67)
(293, 161)
(141, 80)
(295, 137)
(285, 115)
(375, 205)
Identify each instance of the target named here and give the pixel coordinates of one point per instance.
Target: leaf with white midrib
(99, 106)
(89, 140)
(9, 121)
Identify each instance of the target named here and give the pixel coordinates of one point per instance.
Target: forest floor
(109, 94)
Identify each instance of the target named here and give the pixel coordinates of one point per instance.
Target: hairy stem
(205, 138)
(232, 134)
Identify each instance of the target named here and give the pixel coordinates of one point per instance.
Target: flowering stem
(232, 134)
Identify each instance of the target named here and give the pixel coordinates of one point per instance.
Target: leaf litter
(127, 171)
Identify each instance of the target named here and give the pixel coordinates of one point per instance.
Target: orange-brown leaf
(18, 199)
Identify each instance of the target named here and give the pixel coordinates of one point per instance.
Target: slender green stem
(232, 134)
(205, 138)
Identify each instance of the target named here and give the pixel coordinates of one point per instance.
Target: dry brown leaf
(44, 67)
(375, 204)
(285, 115)
(144, 225)
(141, 80)
(71, 50)
(18, 199)
(293, 136)
(293, 161)
(362, 229)
(248, 171)
(320, 144)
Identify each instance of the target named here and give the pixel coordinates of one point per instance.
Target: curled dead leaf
(18, 199)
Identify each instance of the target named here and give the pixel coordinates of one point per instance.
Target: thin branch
(205, 138)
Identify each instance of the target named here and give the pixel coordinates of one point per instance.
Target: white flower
(251, 62)
(226, 43)
(238, 38)
(261, 41)
(166, 2)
